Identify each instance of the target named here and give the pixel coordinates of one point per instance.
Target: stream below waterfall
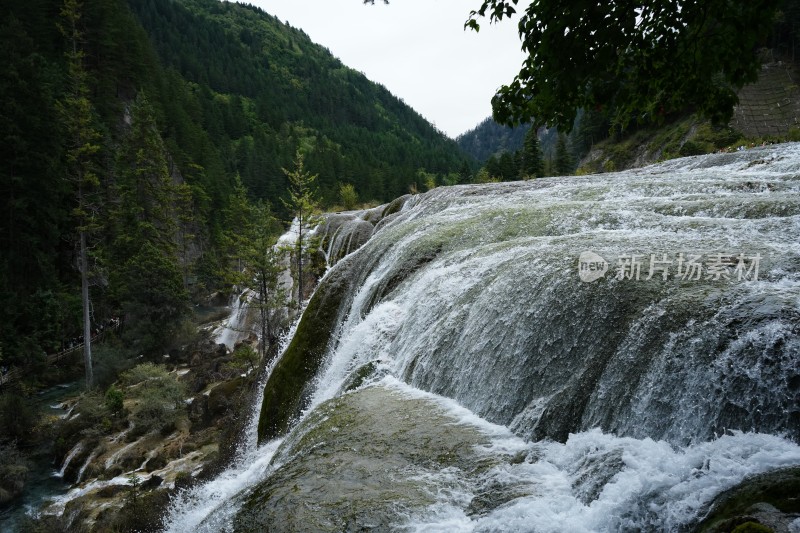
(600, 353)
(43, 480)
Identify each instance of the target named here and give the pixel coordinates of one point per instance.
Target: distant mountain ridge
(490, 138)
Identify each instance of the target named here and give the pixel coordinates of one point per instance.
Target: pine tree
(564, 164)
(263, 260)
(149, 283)
(147, 207)
(253, 257)
(508, 168)
(532, 166)
(348, 196)
(238, 218)
(302, 204)
(82, 140)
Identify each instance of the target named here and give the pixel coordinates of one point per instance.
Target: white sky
(418, 49)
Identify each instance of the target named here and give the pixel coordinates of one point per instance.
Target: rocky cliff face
(768, 110)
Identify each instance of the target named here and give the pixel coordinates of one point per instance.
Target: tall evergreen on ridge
(145, 211)
(145, 234)
(82, 145)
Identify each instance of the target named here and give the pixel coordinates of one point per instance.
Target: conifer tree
(82, 145)
(264, 262)
(253, 258)
(564, 163)
(302, 204)
(532, 166)
(148, 198)
(149, 284)
(348, 196)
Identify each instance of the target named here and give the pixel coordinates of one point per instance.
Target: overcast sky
(418, 49)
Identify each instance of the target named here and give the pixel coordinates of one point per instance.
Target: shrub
(716, 137)
(13, 472)
(348, 196)
(95, 417)
(143, 372)
(244, 358)
(114, 400)
(17, 418)
(692, 148)
(158, 397)
(109, 361)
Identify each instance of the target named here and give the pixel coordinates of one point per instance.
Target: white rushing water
(209, 506)
(237, 326)
(646, 485)
(634, 399)
(78, 448)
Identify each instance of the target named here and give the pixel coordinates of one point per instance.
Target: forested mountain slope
(267, 88)
(490, 138)
(134, 122)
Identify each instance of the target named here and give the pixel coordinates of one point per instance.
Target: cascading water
(236, 326)
(570, 354)
(208, 507)
(78, 448)
(85, 465)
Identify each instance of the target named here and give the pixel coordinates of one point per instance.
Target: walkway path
(13, 374)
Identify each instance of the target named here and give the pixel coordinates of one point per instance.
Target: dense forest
(128, 130)
(501, 149)
(267, 89)
(490, 138)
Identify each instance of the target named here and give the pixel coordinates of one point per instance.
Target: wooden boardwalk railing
(14, 374)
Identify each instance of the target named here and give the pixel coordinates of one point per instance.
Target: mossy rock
(752, 527)
(734, 508)
(111, 491)
(156, 463)
(114, 471)
(145, 515)
(363, 374)
(395, 206)
(286, 391)
(693, 148)
(351, 460)
(225, 397)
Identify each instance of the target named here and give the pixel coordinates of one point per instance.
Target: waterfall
(78, 448)
(594, 353)
(85, 465)
(207, 507)
(474, 294)
(236, 326)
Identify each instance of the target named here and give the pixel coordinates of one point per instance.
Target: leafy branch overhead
(641, 59)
